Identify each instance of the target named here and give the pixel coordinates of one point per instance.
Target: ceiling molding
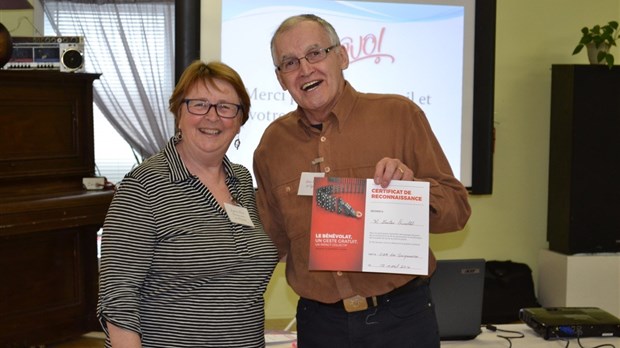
(15, 5)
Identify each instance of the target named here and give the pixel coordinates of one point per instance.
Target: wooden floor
(97, 339)
(90, 340)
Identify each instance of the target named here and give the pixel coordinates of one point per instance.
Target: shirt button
(339, 273)
(326, 170)
(323, 139)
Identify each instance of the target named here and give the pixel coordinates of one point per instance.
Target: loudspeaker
(6, 45)
(584, 154)
(71, 57)
(63, 53)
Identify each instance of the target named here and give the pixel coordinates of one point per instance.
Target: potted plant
(598, 40)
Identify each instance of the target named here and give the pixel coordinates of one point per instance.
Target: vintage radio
(64, 53)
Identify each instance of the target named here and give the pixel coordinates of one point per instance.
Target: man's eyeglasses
(202, 107)
(315, 56)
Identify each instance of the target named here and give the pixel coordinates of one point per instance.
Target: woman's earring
(237, 142)
(179, 134)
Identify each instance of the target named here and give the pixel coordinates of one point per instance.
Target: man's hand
(389, 169)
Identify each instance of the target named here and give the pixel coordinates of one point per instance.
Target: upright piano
(48, 220)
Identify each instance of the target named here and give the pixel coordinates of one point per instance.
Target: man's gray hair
(294, 20)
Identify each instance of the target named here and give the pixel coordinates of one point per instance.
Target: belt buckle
(355, 304)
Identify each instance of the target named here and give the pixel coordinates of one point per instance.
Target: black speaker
(584, 156)
(71, 57)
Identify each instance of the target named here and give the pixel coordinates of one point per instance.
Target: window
(113, 155)
(131, 44)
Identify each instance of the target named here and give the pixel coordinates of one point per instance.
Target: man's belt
(358, 303)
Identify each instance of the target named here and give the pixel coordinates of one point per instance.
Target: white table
(531, 340)
(566, 280)
(490, 339)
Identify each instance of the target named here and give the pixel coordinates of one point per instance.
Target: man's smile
(311, 85)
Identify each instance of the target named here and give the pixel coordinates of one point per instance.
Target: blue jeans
(405, 320)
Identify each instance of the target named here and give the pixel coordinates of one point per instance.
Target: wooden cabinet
(584, 152)
(48, 222)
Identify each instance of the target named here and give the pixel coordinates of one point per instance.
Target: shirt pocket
(364, 172)
(295, 210)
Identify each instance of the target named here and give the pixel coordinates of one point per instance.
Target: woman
(176, 271)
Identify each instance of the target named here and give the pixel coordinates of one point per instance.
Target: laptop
(457, 288)
(556, 322)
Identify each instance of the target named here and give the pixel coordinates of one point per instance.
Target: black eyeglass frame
(298, 60)
(217, 112)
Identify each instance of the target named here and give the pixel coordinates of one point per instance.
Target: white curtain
(131, 43)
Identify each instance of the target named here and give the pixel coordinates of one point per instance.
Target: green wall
(511, 223)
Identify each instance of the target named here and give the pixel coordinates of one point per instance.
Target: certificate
(359, 226)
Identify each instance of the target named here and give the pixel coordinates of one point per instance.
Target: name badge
(306, 183)
(238, 214)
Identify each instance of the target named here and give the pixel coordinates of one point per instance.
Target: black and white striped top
(174, 268)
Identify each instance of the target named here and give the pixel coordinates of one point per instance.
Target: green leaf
(610, 60)
(598, 41)
(586, 39)
(599, 36)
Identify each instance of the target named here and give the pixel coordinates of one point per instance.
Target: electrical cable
(578, 337)
(507, 338)
(599, 346)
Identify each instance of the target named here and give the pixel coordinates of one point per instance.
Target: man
(342, 133)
